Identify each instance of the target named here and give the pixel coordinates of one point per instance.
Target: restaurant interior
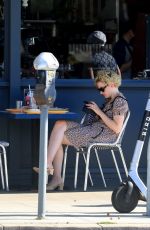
(62, 27)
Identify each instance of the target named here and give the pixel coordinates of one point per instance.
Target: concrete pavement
(74, 210)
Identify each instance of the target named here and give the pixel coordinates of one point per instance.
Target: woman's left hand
(93, 106)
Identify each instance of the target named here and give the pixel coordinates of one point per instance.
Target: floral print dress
(83, 134)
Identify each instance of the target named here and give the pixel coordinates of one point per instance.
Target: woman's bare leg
(57, 164)
(57, 138)
(55, 151)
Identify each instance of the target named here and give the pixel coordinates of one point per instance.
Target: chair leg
(87, 168)
(64, 164)
(76, 169)
(116, 165)
(1, 170)
(123, 160)
(5, 170)
(91, 181)
(100, 168)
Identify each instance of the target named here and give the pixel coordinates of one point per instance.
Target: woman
(105, 126)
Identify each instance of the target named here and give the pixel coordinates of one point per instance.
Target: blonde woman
(104, 127)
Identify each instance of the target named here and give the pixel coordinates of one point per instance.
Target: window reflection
(1, 39)
(60, 27)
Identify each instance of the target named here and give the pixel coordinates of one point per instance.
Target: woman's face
(104, 89)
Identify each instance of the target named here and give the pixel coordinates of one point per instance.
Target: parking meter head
(46, 65)
(46, 61)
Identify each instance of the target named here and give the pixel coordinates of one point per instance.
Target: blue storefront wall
(23, 135)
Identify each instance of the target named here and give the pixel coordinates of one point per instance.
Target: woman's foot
(50, 171)
(55, 185)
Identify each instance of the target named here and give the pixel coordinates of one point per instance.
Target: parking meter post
(43, 161)
(46, 65)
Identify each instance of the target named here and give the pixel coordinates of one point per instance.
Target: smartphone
(87, 102)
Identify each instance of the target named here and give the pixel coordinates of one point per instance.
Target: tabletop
(67, 115)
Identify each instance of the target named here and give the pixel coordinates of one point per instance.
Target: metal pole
(43, 161)
(148, 178)
(117, 17)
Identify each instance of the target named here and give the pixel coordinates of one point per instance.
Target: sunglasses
(102, 89)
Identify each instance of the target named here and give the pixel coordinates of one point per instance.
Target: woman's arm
(114, 124)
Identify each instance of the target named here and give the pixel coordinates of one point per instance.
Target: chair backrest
(83, 118)
(88, 118)
(120, 136)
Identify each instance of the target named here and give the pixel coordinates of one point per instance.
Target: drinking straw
(29, 90)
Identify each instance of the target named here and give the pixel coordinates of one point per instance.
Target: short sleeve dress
(82, 135)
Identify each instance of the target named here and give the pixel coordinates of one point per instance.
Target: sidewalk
(74, 210)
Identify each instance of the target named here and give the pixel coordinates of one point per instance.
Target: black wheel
(122, 200)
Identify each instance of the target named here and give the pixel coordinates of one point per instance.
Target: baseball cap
(97, 37)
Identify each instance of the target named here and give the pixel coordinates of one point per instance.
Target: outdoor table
(20, 120)
(52, 116)
(34, 119)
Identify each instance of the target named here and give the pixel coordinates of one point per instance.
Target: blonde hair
(107, 77)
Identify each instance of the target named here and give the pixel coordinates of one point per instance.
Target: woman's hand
(93, 106)
(114, 124)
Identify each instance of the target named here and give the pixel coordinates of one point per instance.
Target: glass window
(1, 39)
(62, 27)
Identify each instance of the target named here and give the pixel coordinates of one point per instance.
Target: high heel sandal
(50, 171)
(51, 187)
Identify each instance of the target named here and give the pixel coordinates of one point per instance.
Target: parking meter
(46, 65)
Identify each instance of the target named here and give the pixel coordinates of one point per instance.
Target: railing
(83, 52)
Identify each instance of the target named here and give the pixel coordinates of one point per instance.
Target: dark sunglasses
(102, 89)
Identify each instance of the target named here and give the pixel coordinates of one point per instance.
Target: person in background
(123, 51)
(101, 60)
(105, 126)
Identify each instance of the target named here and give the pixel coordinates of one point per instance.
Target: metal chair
(3, 165)
(87, 151)
(78, 151)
